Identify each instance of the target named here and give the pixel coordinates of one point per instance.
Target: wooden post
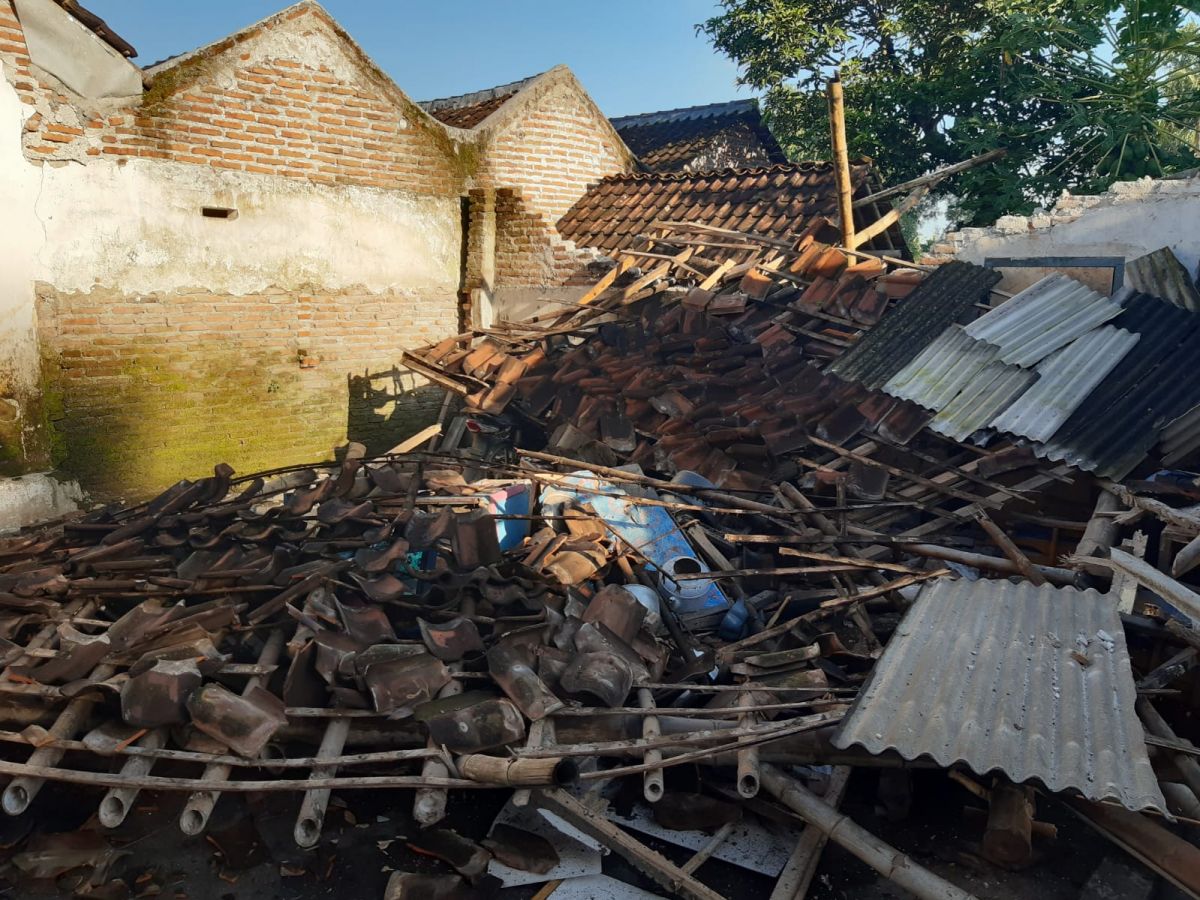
(841, 162)
(1008, 840)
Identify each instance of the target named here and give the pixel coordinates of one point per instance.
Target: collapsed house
(750, 521)
(731, 535)
(230, 249)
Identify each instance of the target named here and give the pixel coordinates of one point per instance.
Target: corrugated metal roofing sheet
(1181, 438)
(941, 299)
(988, 394)
(1161, 274)
(982, 672)
(942, 369)
(1042, 318)
(1117, 424)
(1065, 378)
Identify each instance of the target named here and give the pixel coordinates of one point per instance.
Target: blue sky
(632, 55)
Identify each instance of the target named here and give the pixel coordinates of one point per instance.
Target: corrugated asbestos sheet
(982, 672)
(942, 299)
(1118, 423)
(988, 395)
(1161, 274)
(942, 369)
(1181, 438)
(1065, 378)
(1042, 318)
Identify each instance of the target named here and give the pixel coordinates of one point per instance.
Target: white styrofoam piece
(600, 887)
(749, 844)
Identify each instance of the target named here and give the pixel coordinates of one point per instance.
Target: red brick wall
(153, 388)
(529, 251)
(553, 150)
(241, 105)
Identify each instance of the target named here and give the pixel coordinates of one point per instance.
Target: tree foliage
(1080, 92)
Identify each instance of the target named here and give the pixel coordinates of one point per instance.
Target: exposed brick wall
(249, 104)
(152, 388)
(558, 146)
(529, 251)
(56, 121)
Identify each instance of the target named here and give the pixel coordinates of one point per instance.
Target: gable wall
(163, 341)
(553, 149)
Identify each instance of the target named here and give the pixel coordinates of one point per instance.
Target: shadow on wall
(386, 407)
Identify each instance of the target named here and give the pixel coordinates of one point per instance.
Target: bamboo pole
(515, 772)
(883, 858)
(25, 786)
(1009, 549)
(597, 826)
(747, 760)
(312, 809)
(652, 781)
(200, 805)
(118, 801)
(841, 161)
(429, 804)
(932, 178)
(797, 875)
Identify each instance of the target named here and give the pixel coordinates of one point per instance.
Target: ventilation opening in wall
(218, 212)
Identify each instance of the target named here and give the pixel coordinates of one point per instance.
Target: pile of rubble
(709, 517)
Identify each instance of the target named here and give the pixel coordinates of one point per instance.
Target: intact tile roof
(989, 673)
(686, 114)
(468, 110)
(777, 201)
(700, 137)
(99, 27)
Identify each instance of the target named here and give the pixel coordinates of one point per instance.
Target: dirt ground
(248, 851)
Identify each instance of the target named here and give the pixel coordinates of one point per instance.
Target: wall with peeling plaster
(21, 239)
(138, 225)
(1128, 220)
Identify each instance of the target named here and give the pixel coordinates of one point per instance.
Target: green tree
(1079, 92)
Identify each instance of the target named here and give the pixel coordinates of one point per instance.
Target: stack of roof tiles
(724, 383)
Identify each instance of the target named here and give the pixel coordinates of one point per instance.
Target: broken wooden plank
(1170, 856)
(1009, 549)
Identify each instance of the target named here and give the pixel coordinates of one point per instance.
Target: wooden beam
(888, 219)
(932, 178)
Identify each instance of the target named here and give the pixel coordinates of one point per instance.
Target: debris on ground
(766, 514)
